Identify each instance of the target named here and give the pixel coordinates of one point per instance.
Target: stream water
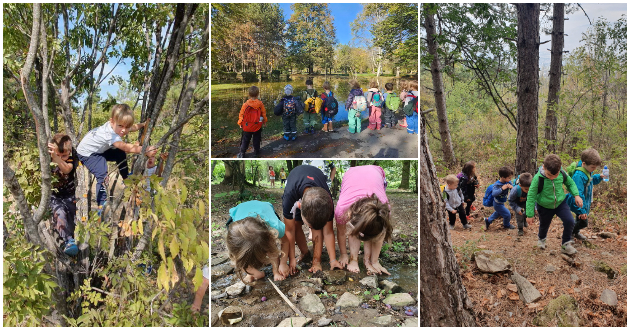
(226, 101)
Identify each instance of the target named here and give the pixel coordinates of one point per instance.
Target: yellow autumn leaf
(198, 278)
(161, 247)
(174, 247)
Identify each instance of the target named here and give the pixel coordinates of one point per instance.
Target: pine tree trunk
(527, 101)
(555, 76)
(438, 87)
(443, 298)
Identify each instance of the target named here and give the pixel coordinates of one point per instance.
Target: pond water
(226, 101)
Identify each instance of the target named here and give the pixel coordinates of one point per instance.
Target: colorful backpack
(359, 103)
(251, 119)
(392, 101)
(411, 106)
(331, 105)
(311, 105)
(290, 106)
(488, 199)
(377, 99)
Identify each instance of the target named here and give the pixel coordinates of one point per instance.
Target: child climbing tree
(141, 260)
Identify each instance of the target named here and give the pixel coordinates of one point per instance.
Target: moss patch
(562, 312)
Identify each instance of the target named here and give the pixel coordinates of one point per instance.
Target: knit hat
(288, 89)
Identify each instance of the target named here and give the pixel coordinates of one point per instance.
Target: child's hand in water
(283, 269)
(336, 264)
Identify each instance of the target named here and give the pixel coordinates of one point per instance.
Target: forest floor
(400, 259)
(494, 303)
(386, 143)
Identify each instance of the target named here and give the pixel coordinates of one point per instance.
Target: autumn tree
(310, 33)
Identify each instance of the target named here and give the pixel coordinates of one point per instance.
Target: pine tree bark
(438, 88)
(555, 76)
(443, 298)
(528, 43)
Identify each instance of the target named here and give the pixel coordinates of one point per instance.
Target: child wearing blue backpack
(518, 200)
(289, 108)
(496, 196)
(584, 180)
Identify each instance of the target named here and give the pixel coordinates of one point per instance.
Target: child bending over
(518, 200)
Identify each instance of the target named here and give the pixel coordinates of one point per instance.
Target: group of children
(99, 146)
(362, 211)
(528, 194)
(282, 175)
(323, 108)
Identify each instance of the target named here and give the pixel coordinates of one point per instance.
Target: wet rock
(399, 299)
(609, 297)
(410, 322)
(370, 281)
(315, 280)
(323, 322)
(335, 276)
(562, 312)
(603, 267)
(348, 300)
(311, 304)
(526, 291)
(220, 271)
(301, 291)
(390, 286)
(383, 320)
(235, 289)
(550, 269)
(295, 322)
(490, 262)
(338, 310)
(217, 294)
(605, 234)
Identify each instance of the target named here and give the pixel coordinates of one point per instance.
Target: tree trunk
(555, 75)
(404, 182)
(443, 298)
(227, 178)
(527, 100)
(438, 87)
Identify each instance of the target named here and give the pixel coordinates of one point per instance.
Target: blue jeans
(564, 213)
(499, 211)
(97, 165)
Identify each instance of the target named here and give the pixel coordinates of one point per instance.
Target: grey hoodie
(454, 200)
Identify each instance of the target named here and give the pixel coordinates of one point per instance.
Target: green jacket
(552, 194)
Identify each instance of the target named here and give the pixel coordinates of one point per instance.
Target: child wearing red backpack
(251, 119)
(411, 108)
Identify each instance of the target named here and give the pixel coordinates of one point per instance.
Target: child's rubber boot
(330, 127)
(473, 208)
(325, 128)
(286, 137)
(71, 248)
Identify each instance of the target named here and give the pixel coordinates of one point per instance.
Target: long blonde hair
(251, 243)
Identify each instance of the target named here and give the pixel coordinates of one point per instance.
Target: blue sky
(344, 14)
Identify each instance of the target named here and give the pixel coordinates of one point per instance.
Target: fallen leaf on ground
(533, 305)
(514, 296)
(512, 287)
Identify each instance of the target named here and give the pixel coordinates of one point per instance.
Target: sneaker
(580, 236)
(240, 155)
(485, 220)
(451, 227)
(293, 138)
(520, 232)
(510, 227)
(286, 137)
(71, 248)
(473, 208)
(468, 217)
(568, 249)
(541, 243)
(467, 226)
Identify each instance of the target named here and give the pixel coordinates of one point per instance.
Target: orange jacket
(254, 104)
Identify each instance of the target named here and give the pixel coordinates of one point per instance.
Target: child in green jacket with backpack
(392, 103)
(312, 105)
(546, 191)
(584, 180)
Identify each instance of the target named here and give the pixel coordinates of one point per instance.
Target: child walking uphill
(518, 200)
(454, 199)
(546, 191)
(289, 108)
(307, 199)
(468, 184)
(584, 180)
(62, 198)
(312, 106)
(500, 191)
(355, 103)
(330, 107)
(251, 119)
(363, 206)
(104, 144)
(376, 103)
(252, 231)
(392, 103)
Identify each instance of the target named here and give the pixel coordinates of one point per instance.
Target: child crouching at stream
(363, 206)
(252, 232)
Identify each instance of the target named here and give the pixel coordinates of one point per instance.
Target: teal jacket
(552, 194)
(585, 188)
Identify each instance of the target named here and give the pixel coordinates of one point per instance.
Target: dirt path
(400, 258)
(545, 269)
(386, 143)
